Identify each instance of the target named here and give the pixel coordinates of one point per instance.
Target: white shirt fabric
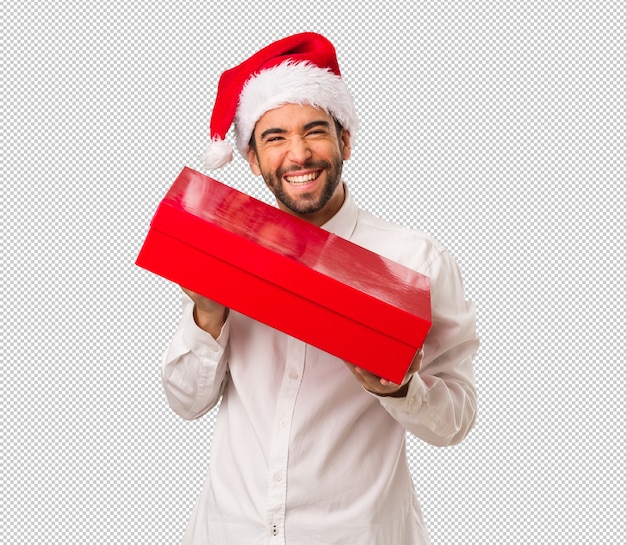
(301, 453)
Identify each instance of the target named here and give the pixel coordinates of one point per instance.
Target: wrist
(211, 321)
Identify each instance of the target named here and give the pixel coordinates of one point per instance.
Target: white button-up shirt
(301, 453)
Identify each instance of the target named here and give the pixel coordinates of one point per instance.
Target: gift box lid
(296, 255)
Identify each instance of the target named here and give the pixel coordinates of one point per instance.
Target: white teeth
(301, 179)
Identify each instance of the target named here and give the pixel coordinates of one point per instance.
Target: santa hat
(300, 69)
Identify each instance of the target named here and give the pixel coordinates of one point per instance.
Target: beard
(306, 203)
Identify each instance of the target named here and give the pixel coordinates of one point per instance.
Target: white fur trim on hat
(217, 154)
(293, 83)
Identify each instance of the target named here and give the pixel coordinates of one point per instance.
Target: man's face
(300, 156)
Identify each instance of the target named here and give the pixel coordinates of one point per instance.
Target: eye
(272, 139)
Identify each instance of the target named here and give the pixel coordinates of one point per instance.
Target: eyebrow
(319, 123)
(308, 126)
(269, 132)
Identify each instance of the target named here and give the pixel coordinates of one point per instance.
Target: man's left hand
(384, 387)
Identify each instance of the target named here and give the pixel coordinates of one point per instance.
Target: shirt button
(411, 400)
(283, 423)
(278, 477)
(293, 375)
(214, 348)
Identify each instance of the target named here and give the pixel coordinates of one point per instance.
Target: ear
(346, 148)
(253, 161)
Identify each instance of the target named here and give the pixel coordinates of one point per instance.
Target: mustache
(308, 165)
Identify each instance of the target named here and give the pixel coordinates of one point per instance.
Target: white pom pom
(217, 154)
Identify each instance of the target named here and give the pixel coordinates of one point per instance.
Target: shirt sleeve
(194, 367)
(440, 405)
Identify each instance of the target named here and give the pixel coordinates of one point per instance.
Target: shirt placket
(277, 481)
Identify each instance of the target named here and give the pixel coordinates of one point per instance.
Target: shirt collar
(344, 221)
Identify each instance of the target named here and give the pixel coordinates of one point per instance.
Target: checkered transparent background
(494, 126)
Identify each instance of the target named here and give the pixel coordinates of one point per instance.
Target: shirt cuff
(412, 403)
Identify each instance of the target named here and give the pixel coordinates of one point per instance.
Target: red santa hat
(300, 69)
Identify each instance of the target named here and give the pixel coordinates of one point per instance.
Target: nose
(299, 151)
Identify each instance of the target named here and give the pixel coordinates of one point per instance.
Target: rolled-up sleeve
(194, 367)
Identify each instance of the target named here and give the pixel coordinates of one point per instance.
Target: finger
(371, 382)
(416, 364)
(374, 382)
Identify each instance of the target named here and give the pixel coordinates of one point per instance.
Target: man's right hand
(208, 314)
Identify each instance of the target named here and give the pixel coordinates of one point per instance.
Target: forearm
(440, 410)
(440, 403)
(194, 367)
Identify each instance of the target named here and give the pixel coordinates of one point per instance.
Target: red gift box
(289, 274)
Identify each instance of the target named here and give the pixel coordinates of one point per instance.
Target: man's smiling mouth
(303, 179)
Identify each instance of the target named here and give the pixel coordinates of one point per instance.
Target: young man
(307, 448)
